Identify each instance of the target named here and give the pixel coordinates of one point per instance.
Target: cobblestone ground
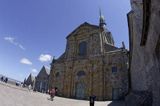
(15, 96)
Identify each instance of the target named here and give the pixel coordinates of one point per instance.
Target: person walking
(6, 80)
(29, 87)
(2, 78)
(52, 93)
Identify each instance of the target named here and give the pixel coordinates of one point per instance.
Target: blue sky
(32, 31)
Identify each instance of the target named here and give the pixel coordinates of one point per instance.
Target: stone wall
(81, 76)
(144, 55)
(119, 79)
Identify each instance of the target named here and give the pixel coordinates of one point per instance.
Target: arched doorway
(115, 93)
(80, 90)
(80, 85)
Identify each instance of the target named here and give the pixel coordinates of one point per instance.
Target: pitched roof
(109, 47)
(47, 70)
(31, 77)
(84, 24)
(61, 58)
(44, 68)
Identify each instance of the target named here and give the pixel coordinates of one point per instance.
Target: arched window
(80, 74)
(83, 48)
(57, 74)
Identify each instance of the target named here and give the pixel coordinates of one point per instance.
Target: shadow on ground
(116, 103)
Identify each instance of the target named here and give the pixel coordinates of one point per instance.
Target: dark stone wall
(145, 62)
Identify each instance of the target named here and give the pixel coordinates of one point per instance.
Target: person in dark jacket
(2, 78)
(6, 80)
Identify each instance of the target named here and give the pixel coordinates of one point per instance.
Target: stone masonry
(144, 24)
(91, 65)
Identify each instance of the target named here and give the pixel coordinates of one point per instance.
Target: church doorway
(80, 90)
(115, 93)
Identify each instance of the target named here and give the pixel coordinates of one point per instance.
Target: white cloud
(12, 41)
(25, 61)
(20, 46)
(45, 57)
(34, 70)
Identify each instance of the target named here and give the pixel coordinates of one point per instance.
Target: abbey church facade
(91, 65)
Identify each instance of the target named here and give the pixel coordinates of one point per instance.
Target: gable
(30, 79)
(43, 73)
(83, 29)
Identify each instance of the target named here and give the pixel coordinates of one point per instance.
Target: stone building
(30, 81)
(144, 24)
(91, 65)
(42, 79)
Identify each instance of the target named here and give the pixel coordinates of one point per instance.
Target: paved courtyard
(15, 96)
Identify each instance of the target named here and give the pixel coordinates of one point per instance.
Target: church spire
(102, 23)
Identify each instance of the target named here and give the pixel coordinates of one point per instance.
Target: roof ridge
(85, 23)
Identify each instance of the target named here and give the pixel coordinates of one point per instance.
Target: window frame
(82, 49)
(114, 69)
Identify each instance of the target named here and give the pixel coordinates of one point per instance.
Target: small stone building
(29, 81)
(41, 82)
(91, 65)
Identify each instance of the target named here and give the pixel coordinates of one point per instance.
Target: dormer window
(83, 48)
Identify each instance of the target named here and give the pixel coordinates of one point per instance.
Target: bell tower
(102, 23)
(106, 36)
